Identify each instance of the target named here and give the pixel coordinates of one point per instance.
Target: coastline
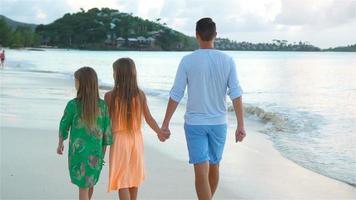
(250, 170)
(28, 143)
(36, 48)
(255, 169)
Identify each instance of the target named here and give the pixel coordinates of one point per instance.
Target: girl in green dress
(87, 118)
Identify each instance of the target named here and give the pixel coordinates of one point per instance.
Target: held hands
(240, 134)
(163, 134)
(60, 148)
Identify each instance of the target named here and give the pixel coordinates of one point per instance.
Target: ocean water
(306, 100)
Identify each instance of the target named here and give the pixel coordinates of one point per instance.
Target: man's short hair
(206, 29)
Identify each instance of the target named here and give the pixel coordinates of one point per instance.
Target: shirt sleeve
(234, 88)
(180, 83)
(66, 121)
(107, 134)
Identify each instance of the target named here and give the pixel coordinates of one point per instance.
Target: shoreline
(253, 169)
(156, 50)
(29, 160)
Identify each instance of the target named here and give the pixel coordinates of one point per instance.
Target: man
(209, 75)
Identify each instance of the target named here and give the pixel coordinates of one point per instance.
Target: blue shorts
(205, 142)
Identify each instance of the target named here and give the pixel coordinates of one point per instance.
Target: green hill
(349, 48)
(111, 29)
(14, 24)
(16, 34)
(105, 28)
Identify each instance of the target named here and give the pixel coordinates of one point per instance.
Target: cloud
(243, 15)
(317, 13)
(320, 22)
(241, 20)
(40, 14)
(34, 11)
(149, 9)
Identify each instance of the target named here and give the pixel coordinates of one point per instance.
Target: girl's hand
(60, 148)
(163, 134)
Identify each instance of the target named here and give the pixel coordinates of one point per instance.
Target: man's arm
(239, 112)
(152, 122)
(235, 93)
(176, 94)
(171, 108)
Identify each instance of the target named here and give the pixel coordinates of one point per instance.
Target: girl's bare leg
(91, 190)
(83, 193)
(133, 193)
(124, 194)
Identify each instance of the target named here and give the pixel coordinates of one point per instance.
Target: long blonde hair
(123, 101)
(88, 94)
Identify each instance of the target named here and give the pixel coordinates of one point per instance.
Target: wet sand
(32, 104)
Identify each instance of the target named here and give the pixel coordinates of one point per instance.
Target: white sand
(32, 104)
(30, 167)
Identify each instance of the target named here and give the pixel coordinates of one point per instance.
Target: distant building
(114, 13)
(108, 39)
(120, 41)
(141, 39)
(132, 42)
(150, 41)
(115, 20)
(100, 14)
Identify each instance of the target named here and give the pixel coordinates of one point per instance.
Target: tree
(16, 40)
(5, 33)
(99, 29)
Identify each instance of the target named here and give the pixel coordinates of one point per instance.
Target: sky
(324, 23)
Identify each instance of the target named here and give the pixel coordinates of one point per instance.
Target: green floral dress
(85, 155)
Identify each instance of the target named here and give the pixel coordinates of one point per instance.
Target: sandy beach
(32, 104)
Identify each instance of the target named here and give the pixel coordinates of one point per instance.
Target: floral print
(85, 155)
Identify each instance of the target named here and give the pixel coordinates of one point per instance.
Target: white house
(119, 42)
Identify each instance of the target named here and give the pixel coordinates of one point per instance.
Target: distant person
(2, 58)
(209, 75)
(127, 107)
(87, 118)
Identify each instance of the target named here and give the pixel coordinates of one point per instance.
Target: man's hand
(60, 148)
(240, 134)
(164, 134)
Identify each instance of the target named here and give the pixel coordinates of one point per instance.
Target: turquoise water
(306, 100)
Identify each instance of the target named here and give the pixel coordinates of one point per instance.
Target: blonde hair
(123, 102)
(88, 94)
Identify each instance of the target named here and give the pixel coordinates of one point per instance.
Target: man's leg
(202, 181)
(217, 138)
(198, 149)
(213, 177)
